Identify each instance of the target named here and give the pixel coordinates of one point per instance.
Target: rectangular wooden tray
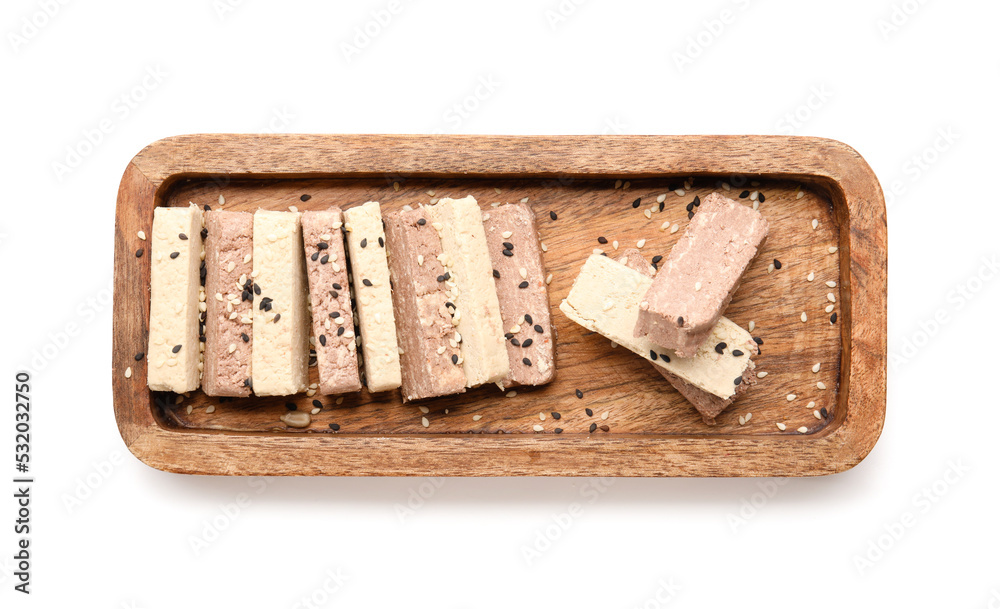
(591, 183)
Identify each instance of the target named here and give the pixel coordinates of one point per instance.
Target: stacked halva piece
(674, 319)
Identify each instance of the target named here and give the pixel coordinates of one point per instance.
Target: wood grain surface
(652, 430)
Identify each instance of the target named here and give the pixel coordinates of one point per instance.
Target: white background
(111, 532)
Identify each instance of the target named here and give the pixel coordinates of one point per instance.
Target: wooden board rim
(827, 163)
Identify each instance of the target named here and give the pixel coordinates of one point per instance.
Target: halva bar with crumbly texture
(330, 298)
(280, 360)
(605, 299)
(519, 277)
(366, 244)
(229, 303)
(699, 277)
(708, 405)
(175, 282)
(431, 359)
(459, 223)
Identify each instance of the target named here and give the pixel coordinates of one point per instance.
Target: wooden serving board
(591, 183)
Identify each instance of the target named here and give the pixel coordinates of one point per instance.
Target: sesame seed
(832, 249)
(815, 223)
(777, 264)
(751, 326)
(334, 427)
(538, 428)
(182, 236)
(821, 385)
(496, 273)
(640, 243)
(831, 297)
(476, 417)
(602, 240)
(138, 253)
(674, 228)
(618, 184)
(781, 426)
(652, 355)
(141, 235)
(680, 322)
(761, 374)
(128, 372)
(526, 361)
(742, 420)
(367, 282)
(790, 397)
(553, 215)
(508, 253)
(364, 243)
(556, 415)
(421, 221)
(589, 412)
(527, 343)
(614, 244)
(665, 225)
(719, 348)
(548, 279)
(810, 276)
(833, 318)
(454, 358)
(305, 198)
(579, 394)
(744, 194)
(174, 254)
(803, 317)
(511, 394)
(523, 284)
(425, 422)
(803, 429)
(824, 413)
(593, 427)
(176, 349)
(737, 353)
(738, 380)
(636, 203)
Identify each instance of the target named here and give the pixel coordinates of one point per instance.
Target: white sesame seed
(425, 422)
(829, 308)
(598, 251)
(803, 317)
(831, 284)
(545, 248)
(424, 409)
(232, 347)
(211, 409)
(821, 385)
(754, 195)
(190, 408)
(541, 416)
(141, 235)
(800, 194)
(770, 268)
(506, 234)
(811, 405)
(524, 200)
(548, 279)
(497, 190)
(831, 297)
(420, 260)
(817, 414)
(756, 205)
(128, 372)
(648, 214)
(816, 367)
(230, 266)
(803, 429)
(511, 394)
(661, 198)
(437, 226)
(674, 228)
(665, 225)
(604, 416)
(781, 426)
(640, 243)
(810, 276)
(790, 397)
(614, 244)
(523, 272)
(749, 416)
(618, 184)
(395, 186)
(310, 392)
(293, 209)
(697, 286)
(761, 374)
(538, 428)
(476, 417)
(742, 420)
(679, 192)
(608, 304)
(626, 185)
(832, 249)
(751, 326)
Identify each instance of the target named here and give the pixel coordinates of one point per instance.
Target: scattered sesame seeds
(780, 426)
(425, 422)
(589, 412)
(174, 254)
(538, 428)
(833, 318)
(803, 317)
(422, 221)
(832, 249)
(593, 427)
(803, 429)
(367, 282)
(777, 264)
(810, 276)
(579, 394)
(636, 203)
(175, 349)
(128, 372)
(523, 284)
(761, 374)
(640, 243)
(751, 326)
(719, 348)
(790, 397)
(821, 385)
(831, 297)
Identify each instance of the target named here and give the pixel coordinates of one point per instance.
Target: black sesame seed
(558, 430)
(508, 253)
(833, 318)
(245, 296)
(589, 412)
(324, 259)
(450, 304)
(527, 342)
(367, 282)
(697, 201)
(526, 361)
(175, 254)
(553, 215)
(322, 245)
(652, 355)
(315, 256)
(636, 203)
(690, 215)
(381, 242)
(680, 322)
(454, 358)
(335, 314)
(527, 319)
(340, 331)
(579, 394)
(248, 382)
(738, 380)
(744, 194)
(760, 197)
(507, 245)
(508, 335)
(317, 404)
(138, 253)
(689, 206)
(665, 357)
(523, 285)
(777, 264)
(245, 337)
(720, 348)
(256, 289)
(421, 221)
(823, 412)
(602, 240)
(176, 349)
(337, 286)
(208, 208)
(657, 259)
(305, 198)
(661, 205)
(334, 427)
(139, 356)
(322, 339)
(441, 278)
(593, 427)
(737, 353)
(556, 415)
(539, 329)
(291, 406)
(364, 242)
(277, 316)
(204, 232)
(182, 236)
(515, 342)
(758, 340)
(334, 295)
